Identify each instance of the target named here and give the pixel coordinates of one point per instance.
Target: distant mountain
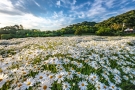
(127, 19)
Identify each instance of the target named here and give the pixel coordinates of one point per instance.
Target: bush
(104, 32)
(78, 31)
(6, 36)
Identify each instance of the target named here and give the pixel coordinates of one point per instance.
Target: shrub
(6, 36)
(104, 31)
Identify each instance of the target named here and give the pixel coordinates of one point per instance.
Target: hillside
(127, 18)
(83, 27)
(111, 26)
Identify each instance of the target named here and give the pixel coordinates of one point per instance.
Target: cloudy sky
(55, 14)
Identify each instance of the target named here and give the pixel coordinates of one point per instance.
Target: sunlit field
(68, 63)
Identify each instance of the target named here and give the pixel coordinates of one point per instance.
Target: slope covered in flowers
(68, 63)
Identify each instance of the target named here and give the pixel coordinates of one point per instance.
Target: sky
(56, 14)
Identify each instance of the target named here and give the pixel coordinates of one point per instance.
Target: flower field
(68, 63)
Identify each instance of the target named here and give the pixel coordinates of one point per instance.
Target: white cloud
(30, 21)
(17, 13)
(19, 3)
(82, 15)
(97, 3)
(58, 15)
(110, 3)
(5, 3)
(58, 3)
(60, 19)
(6, 7)
(66, 3)
(36, 3)
(73, 7)
(98, 10)
(92, 10)
(74, 2)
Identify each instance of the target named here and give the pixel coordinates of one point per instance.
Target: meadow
(68, 63)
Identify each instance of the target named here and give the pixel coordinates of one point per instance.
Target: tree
(21, 27)
(104, 31)
(78, 31)
(116, 26)
(16, 27)
(6, 36)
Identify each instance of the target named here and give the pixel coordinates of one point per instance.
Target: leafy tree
(116, 26)
(6, 36)
(15, 26)
(104, 31)
(21, 27)
(78, 31)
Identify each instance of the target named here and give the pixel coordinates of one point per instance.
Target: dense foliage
(104, 31)
(119, 23)
(116, 23)
(79, 28)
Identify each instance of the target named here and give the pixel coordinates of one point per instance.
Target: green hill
(116, 25)
(79, 28)
(112, 26)
(116, 22)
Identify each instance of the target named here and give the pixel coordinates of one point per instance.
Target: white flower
(54, 60)
(104, 87)
(79, 65)
(83, 85)
(105, 76)
(45, 85)
(126, 70)
(132, 81)
(72, 70)
(19, 86)
(94, 64)
(3, 79)
(29, 82)
(112, 86)
(66, 86)
(101, 86)
(79, 74)
(117, 79)
(40, 77)
(51, 77)
(115, 71)
(66, 61)
(59, 77)
(69, 75)
(93, 78)
(23, 71)
(60, 68)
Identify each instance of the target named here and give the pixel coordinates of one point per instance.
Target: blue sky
(56, 14)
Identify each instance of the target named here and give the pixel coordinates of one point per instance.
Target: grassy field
(68, 63)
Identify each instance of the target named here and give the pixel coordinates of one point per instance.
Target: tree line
(17, 31)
